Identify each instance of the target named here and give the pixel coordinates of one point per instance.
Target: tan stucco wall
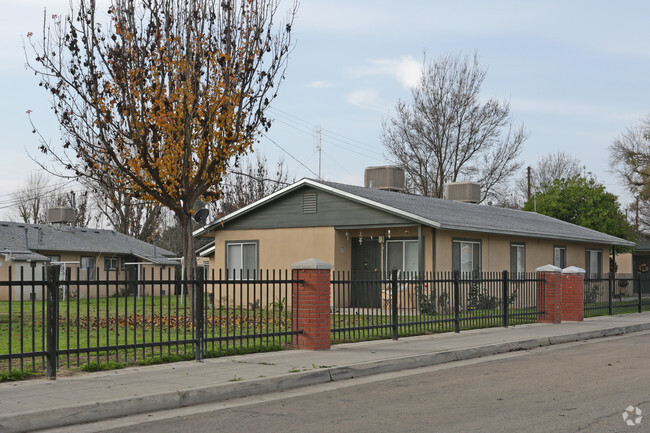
(624, 262)
(496, 251)
(280, 248)
(84, 290)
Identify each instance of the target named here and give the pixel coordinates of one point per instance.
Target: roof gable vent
(309, 203)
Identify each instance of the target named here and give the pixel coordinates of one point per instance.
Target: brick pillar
(311, 304)
(573, 294)
(549, 294)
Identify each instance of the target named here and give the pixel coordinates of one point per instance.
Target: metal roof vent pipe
(466, 192)
(385, 178)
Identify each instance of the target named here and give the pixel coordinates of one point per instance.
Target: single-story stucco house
(637, 264)
(356, 228)
(95, 254)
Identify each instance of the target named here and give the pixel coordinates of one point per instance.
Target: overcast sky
(575, 73)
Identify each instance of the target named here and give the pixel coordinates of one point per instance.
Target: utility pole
(528, 170)
(74, 206)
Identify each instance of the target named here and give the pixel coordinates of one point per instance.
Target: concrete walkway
(37, 404)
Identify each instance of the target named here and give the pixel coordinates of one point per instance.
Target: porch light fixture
(360, 238)
(388, 233)
(347, 236)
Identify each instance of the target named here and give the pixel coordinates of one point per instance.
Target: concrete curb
(59, 417)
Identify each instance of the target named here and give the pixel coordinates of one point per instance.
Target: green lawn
(105, 323)
(619, 307)
(379, 326)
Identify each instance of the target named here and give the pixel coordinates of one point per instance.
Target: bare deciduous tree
(30, 198)
(448, 134)
(630, 158)
(33, 200)
(126, 213)
(557, 165)
(249, 183)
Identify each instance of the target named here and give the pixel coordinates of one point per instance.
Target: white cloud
(368, 98)
(321, 85)
(406, 70)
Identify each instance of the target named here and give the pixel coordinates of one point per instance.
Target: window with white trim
(111, 263)
(402, 255)
(559, 257)
(241, 259)
(89, 264)
(593, 263)
(466, 257)
(517, 260)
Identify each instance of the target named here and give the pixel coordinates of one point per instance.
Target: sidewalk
(38, 404)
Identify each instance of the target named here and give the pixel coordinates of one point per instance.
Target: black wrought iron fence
(369, 305)
(608, 294)
(50, 322)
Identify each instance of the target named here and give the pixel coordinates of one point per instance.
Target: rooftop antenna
(320, 152)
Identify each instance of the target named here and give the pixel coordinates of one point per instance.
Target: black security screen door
(366, 273)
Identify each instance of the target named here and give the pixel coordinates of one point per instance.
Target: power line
(6, 204)
(301, 123)
(293, 157)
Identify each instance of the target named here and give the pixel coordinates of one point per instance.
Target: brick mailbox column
(549, 294)
(311, 304)
(573, 294)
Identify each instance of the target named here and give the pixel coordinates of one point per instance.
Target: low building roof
(444, 214)
(30, 241)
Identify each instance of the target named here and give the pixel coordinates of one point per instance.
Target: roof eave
(615, 241)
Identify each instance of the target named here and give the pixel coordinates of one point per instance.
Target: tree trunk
(189, 258)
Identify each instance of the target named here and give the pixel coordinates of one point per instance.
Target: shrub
(478, 300)
(593, 291)
(426, 301)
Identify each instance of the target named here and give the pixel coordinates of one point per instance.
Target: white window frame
(589, 254)
(403, 242)
(475, 260)
(238, 272)
(520, 254)
(557, 248)
(85, 265)
(111, 261)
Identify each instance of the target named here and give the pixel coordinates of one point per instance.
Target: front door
(132, 280)
(366, 273)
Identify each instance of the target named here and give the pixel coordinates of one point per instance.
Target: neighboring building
(92, 254)
(637, 265)
(367, 229)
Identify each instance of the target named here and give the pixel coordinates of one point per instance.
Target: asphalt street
(581, 386)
